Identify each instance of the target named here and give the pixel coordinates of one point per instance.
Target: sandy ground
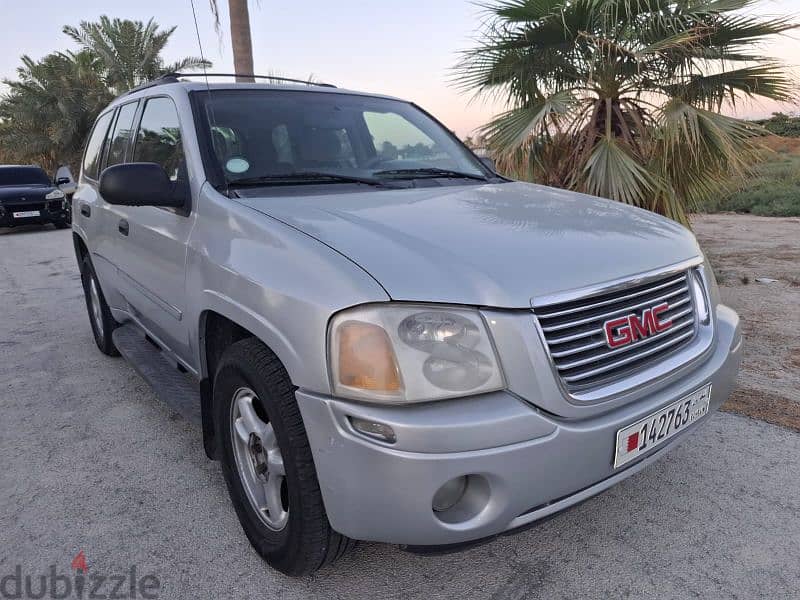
(93, 462)
(743, 250)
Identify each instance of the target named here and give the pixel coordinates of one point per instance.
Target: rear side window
(123, 131)
(159, 137)
(91, 158)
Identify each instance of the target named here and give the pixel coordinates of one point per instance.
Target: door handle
(123, 227)
(86, 211)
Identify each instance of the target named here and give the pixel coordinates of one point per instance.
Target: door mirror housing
(141, 184)
(489, 163)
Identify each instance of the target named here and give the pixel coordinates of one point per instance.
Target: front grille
(576, 338)
(12, 208)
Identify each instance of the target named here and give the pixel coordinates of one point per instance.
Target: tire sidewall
(274, 546)
(87, 274)
(102, 338)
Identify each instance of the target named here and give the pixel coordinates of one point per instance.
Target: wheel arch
(81, 249)
(218, 329)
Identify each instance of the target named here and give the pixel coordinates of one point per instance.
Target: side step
(174, 388)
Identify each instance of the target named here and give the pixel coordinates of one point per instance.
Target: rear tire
(293, 536)
(103, 324)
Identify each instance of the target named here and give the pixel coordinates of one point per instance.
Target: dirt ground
(747, 253)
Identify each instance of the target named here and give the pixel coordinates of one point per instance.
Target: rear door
(105, 215)
(87, 208)
(152, 242)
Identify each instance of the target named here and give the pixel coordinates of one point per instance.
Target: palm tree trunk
(240, 40)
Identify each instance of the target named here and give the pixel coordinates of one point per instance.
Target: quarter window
(123, 131)
(91, 158)
(159, 137)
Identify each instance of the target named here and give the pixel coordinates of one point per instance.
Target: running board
(174, 388)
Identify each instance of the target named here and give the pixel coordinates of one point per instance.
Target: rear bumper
(524, 465)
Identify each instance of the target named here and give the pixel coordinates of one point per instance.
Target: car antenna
(208, 105)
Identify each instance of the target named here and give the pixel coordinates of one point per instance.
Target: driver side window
(158, 139)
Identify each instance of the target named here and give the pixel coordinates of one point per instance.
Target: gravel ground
(94, 463)
(757, 262)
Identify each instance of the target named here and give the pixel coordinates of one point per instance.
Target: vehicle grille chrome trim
(623, 349)
(605, 316)
(629, 359)
(573, 330)
(606, 302)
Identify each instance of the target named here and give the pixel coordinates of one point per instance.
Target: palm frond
(642, 79)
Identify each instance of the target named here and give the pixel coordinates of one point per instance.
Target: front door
(152, 249)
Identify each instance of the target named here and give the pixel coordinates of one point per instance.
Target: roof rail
(164, 79)
(270, 77)
(176, 77)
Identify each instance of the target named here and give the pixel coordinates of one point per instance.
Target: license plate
(642, 436)
(25, 214)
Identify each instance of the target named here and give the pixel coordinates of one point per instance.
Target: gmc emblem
(626, 330)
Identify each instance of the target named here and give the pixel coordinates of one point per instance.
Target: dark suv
(28, 196)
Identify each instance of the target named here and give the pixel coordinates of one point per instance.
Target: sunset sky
(406, 49)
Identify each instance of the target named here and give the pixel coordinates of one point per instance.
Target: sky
(402, 48)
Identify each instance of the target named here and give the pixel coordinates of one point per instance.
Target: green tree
(622, 98)
(782, 124)
(128, 53)
(48, 111)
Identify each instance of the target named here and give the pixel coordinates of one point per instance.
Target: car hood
(31, 193)
(498, 245)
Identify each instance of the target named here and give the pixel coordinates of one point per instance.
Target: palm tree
(622, 98)
(48, 111)
(128, 53)
(241, 40)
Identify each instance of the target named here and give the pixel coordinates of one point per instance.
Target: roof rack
(176, 77)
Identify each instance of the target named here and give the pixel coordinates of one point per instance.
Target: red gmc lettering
(626, 330)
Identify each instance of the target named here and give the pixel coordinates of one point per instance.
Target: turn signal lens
(366, 358)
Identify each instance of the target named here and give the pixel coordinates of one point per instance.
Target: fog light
(449, 494)
(379, 431)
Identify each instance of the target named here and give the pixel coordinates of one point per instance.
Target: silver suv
(382, 338)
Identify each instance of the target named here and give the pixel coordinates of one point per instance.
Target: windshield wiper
(304, 177)
(429, 172)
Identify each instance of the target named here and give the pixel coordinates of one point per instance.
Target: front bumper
(47, 214)
(523, 464)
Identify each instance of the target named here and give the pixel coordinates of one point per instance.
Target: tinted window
(91, 158)
(123, 131)
(159, 136)
(23, 176)
(266, 133)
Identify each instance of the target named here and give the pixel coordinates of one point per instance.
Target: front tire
(267, 463)
(103, 324)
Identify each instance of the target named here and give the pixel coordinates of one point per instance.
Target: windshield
(23, 176)
(271, 137)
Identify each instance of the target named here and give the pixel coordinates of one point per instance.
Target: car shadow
(27, 229)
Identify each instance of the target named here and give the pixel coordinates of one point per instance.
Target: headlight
(402, 353)
(54, 194)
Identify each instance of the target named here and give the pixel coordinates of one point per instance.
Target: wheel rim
(97, 311)
(259, 461)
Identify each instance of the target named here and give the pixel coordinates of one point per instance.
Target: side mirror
(489, 163)
(141, 184)
(63, 181)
